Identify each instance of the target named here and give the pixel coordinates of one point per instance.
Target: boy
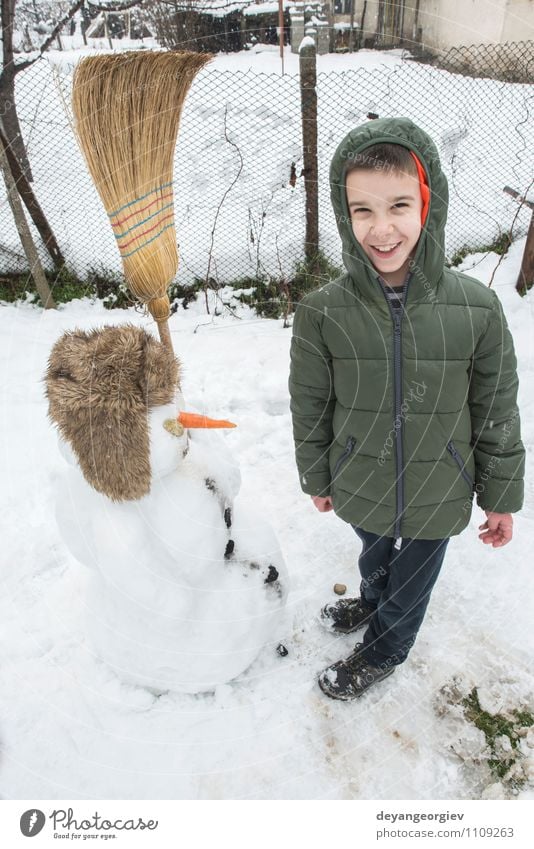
(403, 392)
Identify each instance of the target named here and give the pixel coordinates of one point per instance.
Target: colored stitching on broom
(137, 211)
(148, 242)
(140, 235)
(142, 197)
(144, 221)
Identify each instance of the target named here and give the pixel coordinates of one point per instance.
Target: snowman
(187, 586)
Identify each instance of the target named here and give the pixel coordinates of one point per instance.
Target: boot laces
(355, 661)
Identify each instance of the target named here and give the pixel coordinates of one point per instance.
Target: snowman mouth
(385, 251)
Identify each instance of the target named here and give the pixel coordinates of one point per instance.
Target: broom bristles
(127, 110)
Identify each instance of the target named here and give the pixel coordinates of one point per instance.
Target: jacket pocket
(451, 448)
(349, 448)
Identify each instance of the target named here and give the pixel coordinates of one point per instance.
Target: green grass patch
(67, 286)
(499, 246)
(269, 297)
(495, 726)
(180, 295)
(312, 273)
(64, 286)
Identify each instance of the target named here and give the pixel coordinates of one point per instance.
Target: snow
(71, 728)
(260, 224)
(215, 8)
(317, 22)
(307, 41)
(265, 8)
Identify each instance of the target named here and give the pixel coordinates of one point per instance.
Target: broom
(127, 110)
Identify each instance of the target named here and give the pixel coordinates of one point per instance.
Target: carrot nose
(189, 420)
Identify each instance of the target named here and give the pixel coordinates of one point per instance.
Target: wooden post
(308, 105)
(83, 28)
(331, 30)
(351, 32)
(36, 269)
(106, 31)
(525, 280)
(281, 30)
(27, 195)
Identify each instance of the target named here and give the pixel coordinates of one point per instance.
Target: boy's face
(385, 209)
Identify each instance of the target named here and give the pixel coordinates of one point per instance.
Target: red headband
(423, 185)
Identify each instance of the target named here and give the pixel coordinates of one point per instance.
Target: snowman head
(103, 387)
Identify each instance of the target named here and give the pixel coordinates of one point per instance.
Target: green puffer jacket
(401, 421)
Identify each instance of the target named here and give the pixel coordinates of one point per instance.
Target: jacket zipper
(349, 448)
(396, 315)
(451, 448)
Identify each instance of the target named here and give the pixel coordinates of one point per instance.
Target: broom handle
(165, 335)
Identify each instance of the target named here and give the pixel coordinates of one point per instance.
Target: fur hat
(100, 386)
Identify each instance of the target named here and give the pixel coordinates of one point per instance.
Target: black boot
(350, 678)
(346, 615)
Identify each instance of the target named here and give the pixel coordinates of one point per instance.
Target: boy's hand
(323, 504)
(498, 528)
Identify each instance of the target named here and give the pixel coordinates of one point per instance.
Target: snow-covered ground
(71, 729)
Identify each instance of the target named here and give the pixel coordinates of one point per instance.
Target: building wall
(518, 21)
(452, 23)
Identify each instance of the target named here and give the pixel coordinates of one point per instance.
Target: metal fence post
(308, 106)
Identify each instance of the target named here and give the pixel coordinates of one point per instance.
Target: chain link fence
(511, 62)
(239, 189)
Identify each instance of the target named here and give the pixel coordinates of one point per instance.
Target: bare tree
(190, 25)
(177, 24)
(36, 269)
(11, 136)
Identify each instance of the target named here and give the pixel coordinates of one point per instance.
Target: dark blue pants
(398, 585)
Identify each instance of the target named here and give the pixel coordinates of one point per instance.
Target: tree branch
(115, 7)
(100, 7)
(226, 193)
(53, 35)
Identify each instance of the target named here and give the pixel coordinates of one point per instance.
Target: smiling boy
(385, 205)
(403, 392)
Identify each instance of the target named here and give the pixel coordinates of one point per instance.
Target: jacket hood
(429, 259)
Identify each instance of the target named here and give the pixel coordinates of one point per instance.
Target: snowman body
(187, 585)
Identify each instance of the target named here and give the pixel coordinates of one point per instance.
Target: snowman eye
(63, 374)
(173, 426)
